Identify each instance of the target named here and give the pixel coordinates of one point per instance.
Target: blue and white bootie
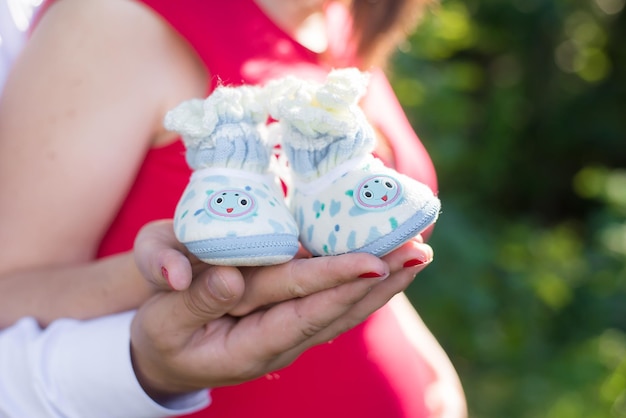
(233, 211)
(343, 199)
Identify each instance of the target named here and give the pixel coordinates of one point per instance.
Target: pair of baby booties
(340, 199)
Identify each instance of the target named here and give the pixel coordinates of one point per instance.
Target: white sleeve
(77, 369)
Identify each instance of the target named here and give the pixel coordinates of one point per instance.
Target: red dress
(370, 371)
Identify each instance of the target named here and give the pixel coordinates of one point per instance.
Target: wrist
(148, 376)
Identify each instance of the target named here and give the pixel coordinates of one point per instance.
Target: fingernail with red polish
(370, 275)
(166, 275)
(413, 262)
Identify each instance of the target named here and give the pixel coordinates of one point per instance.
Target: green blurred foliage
(522, 105)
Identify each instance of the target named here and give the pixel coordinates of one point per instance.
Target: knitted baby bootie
(343, 199)
(233, 211)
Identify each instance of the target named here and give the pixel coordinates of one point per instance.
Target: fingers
(405, 263)
(192, 342)
(161, 258)
(300, 321)
(404, 270)
(413, 253)
(209, 297)
(305, 276)
(182, 343)
(323, 315)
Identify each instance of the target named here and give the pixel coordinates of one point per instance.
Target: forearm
(79, 291)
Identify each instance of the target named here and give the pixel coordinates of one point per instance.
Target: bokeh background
(522, 105)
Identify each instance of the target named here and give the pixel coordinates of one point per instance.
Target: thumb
(161, 259)
(211, 295)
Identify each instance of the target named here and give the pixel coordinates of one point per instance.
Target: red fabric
(371, 371)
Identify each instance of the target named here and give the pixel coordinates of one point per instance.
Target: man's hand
(231, 325)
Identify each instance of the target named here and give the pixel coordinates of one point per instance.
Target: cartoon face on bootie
(368, 209)
(231, 204)
(230, 220)
(377, 193)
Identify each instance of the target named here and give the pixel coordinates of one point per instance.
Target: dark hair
(380, 25)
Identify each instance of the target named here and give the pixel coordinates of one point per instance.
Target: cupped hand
(230, 325)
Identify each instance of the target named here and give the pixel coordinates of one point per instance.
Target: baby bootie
(343, 199)
(233, 211)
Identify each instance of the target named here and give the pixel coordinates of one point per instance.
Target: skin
(83, 114)
(302, 303)
(85, 101)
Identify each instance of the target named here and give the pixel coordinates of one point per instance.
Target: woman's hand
(230, 325)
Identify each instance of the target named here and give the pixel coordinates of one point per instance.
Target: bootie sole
(245, 251)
